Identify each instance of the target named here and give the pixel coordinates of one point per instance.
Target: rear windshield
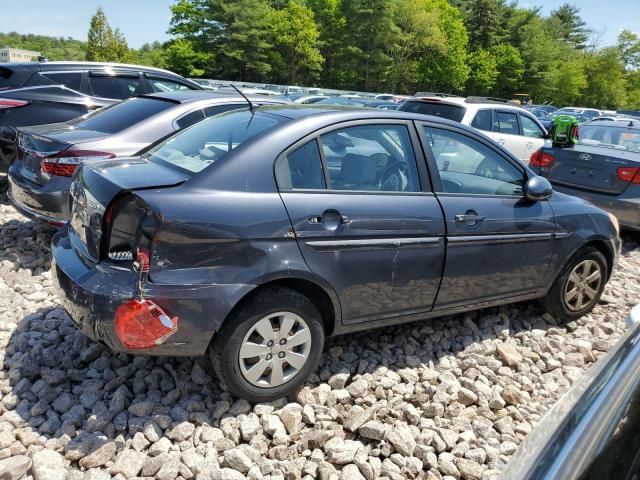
(122, 115)
(611, 137)
(437, 109)
(199, 146)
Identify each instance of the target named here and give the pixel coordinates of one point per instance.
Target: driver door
(499, 244)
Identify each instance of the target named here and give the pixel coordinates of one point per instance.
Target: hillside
(54, 48)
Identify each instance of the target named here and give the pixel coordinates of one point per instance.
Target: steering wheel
(392, 177)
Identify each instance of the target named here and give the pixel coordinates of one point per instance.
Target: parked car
(383, 104)
(307, 99)
(589, 113)
(253, 235)
(604, 168)
(40, 176)
(592, 432)
(508, 124)
(543, 107)
(48, 92)
(345, 101)
(580, 118)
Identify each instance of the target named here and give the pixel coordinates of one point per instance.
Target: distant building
(17, 55)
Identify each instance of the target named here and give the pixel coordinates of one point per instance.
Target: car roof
(475, 104)
(631, 123)
(129, 66)
(341, 113)
(189, 96)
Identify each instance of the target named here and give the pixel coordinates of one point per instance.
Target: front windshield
(621, 138)
(199, 146)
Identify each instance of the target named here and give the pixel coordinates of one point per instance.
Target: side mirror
(537, 189)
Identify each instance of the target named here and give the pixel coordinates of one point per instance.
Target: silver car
(48, 155)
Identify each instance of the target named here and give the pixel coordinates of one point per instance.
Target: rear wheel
(579, 286)
(270, 346)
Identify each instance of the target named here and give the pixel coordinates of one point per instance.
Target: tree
(103, 43)
(569, 26)
(295, 38)
(486, 22)
(332, 28)
(629, 46)
(606, 86)
(484, 72)
(510, 69)
(100, 38)
(181, 57)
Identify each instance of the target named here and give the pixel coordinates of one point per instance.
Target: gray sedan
(48, 155)
(604, 168)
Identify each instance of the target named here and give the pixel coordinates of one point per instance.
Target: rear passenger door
(365, 218)
(506, 130)
(115, 86)
(533, 134)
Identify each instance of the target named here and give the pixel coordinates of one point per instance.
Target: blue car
(254, 235)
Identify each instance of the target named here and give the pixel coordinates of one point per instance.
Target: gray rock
(238, 460)
(128, 463)
(141, 409)
(99, 456)
(181, 431)
(373, 430)
(230, 474)
(13, 468)
(48, 465)
(469, 470)
(95, 474)
(351, 472)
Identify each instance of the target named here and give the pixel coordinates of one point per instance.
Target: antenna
(251, 107)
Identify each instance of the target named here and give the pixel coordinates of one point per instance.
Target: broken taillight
(142, 324)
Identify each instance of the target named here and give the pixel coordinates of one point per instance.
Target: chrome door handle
(530, 145)
(469, 218)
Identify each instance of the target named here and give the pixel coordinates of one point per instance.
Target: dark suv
(48, 92)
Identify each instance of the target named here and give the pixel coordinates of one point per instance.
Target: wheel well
(316, 294)
(606, 251)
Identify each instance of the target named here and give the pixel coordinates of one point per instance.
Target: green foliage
(295, 36)
(105, 44)
(181, 57)
(629, 46)
(569, 26)
(484, 72)
(510, 68)
(606, 87)
(54, 48)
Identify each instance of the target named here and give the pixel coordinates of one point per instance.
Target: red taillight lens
(8, 103)
(629, 174)
(65, 163)
(142, 324)
(541, 159)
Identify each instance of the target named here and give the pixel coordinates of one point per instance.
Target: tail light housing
(629, 174)
(6, 103)
(142, 324)
(541, 159)
(64, 164)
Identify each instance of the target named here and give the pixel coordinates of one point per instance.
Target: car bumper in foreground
(626, 207)
(92, 293)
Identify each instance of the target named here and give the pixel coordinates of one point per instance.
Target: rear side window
(483, 120)
(218, 109)
(301, 169)
(71, 80)
(437, 109)
(116, 118)
(8, 79)
(507, 123)
(189, 119)
(115, 87)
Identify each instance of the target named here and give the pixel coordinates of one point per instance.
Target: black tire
(224, 350)
(554, 301)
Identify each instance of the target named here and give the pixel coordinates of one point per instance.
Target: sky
(144, 21)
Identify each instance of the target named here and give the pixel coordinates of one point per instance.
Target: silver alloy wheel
(583, 285)
(274, 349)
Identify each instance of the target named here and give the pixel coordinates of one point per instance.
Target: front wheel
(269, 346)
(579, 286)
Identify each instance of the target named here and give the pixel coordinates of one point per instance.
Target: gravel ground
(447, 399)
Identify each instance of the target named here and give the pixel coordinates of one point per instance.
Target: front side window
(302, 169)
(483, 120)
(204, 143)
(467, 166)
(531, 128)
(507, 123)
(115, 87)
(370, 158)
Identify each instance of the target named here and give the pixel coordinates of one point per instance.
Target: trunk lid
(590, 168)
(97, 184)
(37, 143)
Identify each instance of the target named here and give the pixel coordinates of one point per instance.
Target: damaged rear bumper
(92, 293)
